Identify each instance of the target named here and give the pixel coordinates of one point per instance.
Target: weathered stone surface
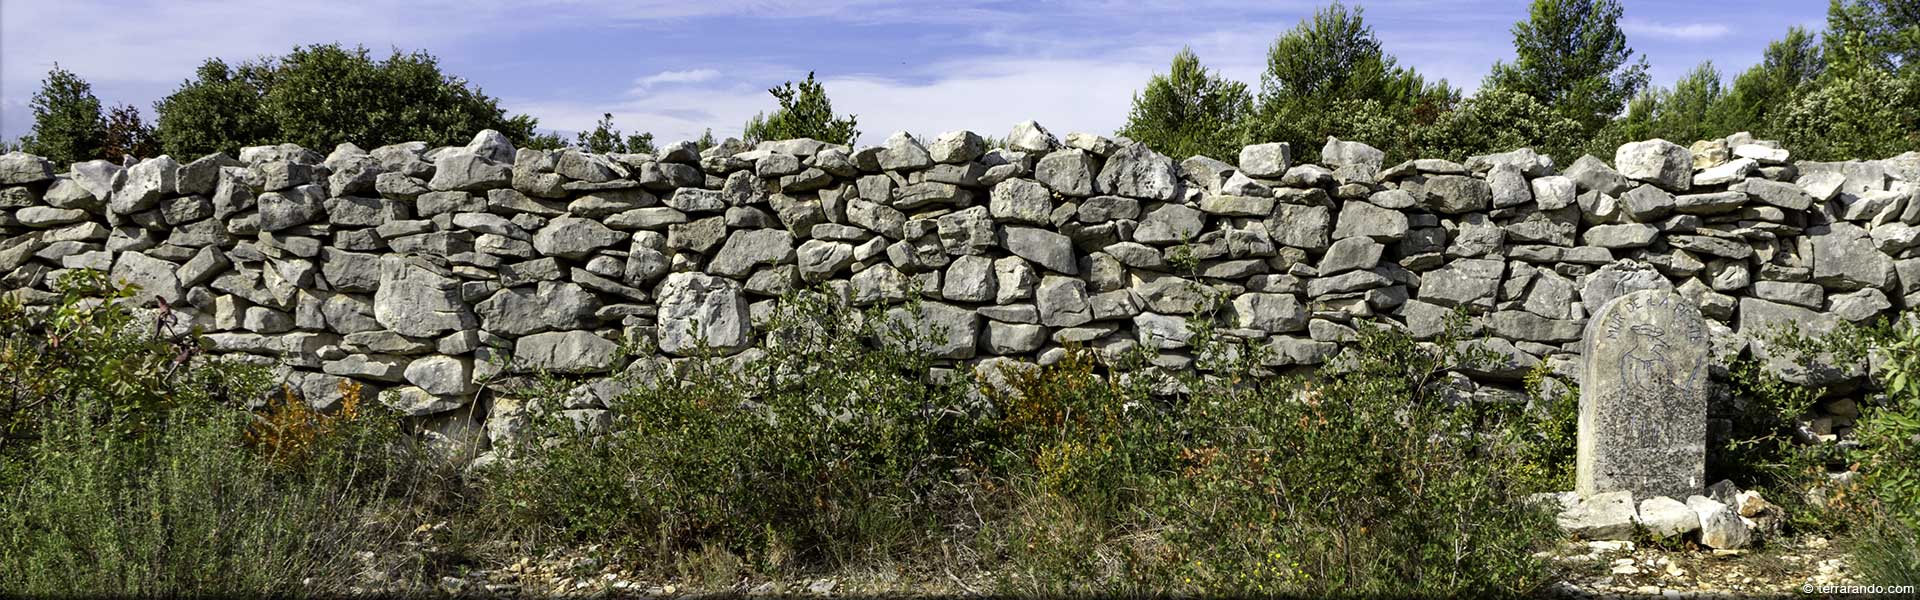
(1720, 525)
(1266, 160)
(1643, 401)
(1600, 516)
(1045, 247)
(1352, 162)
(418, 300)
(1358, 219)
(17, 168)
(565, 352)
(154, 277)
(442, 375)
(1667, 518)
(1658, 162)
(1138, 172)
(750, 249)
(574, 237)
(467, 171)
(1455, 194)
(1846, 258)
(949, 331)
(701, 311)
(545, 306)
(1021, 201)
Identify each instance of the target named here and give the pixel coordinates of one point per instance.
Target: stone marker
(1643, 405)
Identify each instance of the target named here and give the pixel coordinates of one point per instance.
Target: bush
(1094, 474)
(1888, 458)
(816, 443)
(130, 470)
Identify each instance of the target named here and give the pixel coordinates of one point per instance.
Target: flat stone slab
(1643, 404)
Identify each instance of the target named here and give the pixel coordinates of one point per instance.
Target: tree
(324, 94)
(1869, 114)
(1572, 55)
(1189, 111)
(216, 111)
(706, 140)
(805, 112)
(1498, 120)
(1687, 113)
(127, 135)
(1330, 76)
(1876, 34)
(605, 139)
(67, 126)
(1791, 65)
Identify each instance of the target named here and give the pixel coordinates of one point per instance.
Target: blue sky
(925, 67)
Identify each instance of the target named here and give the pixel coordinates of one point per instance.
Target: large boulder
(1136, 171)
(1846, 258)
(574, 237)
(948, 331)
(1352, 162)
(748, 249)
(701, 310)
(565, 352)
(545, 306)
(1656, 161)
(18, 168)
(418, 299)
(154, 277)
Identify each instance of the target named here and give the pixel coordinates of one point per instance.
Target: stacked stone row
(424, 274)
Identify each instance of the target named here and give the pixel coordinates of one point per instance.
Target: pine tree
(1330, 76)
(805, 112)
(1572, 55)
(1190, 110)
(1791, 65)
(67, 126)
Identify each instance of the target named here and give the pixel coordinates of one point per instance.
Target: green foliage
(1790, 65)
(805, 112)
(1853, 114)
(67, 127)
(1873, 34)
(324, 94)
(216, 111)
(1886, 499)
(546, 141)
(1682, 115)
(1572, 56)
(1329, 76)
(128, 473)
(826, 445)
(1498, 120)
(1190, 111)
(605, 139)
(127, 136)
(1889, 431)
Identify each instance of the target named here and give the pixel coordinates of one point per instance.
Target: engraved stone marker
(1643, 406)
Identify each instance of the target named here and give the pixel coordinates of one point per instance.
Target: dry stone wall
(424, 273)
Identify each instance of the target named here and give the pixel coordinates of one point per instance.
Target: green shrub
(824, 444)
(826, 447)
(1888, 458)
(128, 468)
(1365, 478)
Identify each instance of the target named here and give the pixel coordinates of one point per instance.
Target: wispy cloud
(1680, 31)
(671, 77)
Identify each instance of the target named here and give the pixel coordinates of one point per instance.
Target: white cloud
(986, 96)
(670, 77)
(1686, 31)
